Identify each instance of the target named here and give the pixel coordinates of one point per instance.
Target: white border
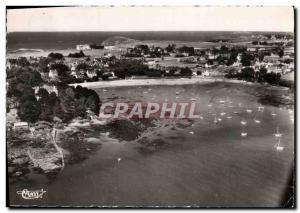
(3, 4)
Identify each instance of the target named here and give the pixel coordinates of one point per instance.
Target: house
(109, 47)
(272, 58)
(198, 50)
(251, 49)
(91, 73)
(12, 102)
(20, 125)
(53, 74)
(49, 88)
(205, 73)
(83, 47)
(78, 73)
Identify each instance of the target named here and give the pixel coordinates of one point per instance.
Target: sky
(156, 18)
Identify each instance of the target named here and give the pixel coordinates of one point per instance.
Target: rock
(20, 161)
(18, 173)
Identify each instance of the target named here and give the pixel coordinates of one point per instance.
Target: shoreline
(155, 82)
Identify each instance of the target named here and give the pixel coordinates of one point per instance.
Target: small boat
(193, 99)
(119, 159)
(249, 110)
(216, 120)
(191, 132)
(244, 134)
(277, 134)
(219, 119)
(222, 102)
(243, 122)
(278, 147)
(257, 121)
(209, 105)
(229, 117)
(177, 93)
(223, 113)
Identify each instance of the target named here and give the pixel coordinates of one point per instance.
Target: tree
(43, 64)
(56, 56)
(29, 109)
(171, 48)
(247, 59)
(273, 78)
(280, 53)
(43, 94)
(247, 74)
(32, 78)
(186, 71)
(77, 55)
(186, 49)
(82, 66)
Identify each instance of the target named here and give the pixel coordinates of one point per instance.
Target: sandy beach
(153, 82)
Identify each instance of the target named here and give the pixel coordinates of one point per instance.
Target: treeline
(249, 74)
(125, 68)
(44, 106)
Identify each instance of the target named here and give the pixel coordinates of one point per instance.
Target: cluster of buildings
(197, 59)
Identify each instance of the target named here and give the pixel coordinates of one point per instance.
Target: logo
(29, 195)
(145, 110)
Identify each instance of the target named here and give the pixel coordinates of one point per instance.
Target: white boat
(278, 147)
(229, 117)
(277, 134)
(216, 120)
(193, 99)
(257, 121)
(249, 110)
(243, 122)
(223, 113)
(244, 134)
(209, 105)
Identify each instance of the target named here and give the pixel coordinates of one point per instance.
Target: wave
(22, 50)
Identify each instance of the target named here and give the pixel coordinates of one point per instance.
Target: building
(83, 47)
(251, 49)
(78, 73)
(49, 88)
(91, 73)
(53, 74)
(109, 47)
(21, 125)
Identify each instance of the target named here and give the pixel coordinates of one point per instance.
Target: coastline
(154, 82)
